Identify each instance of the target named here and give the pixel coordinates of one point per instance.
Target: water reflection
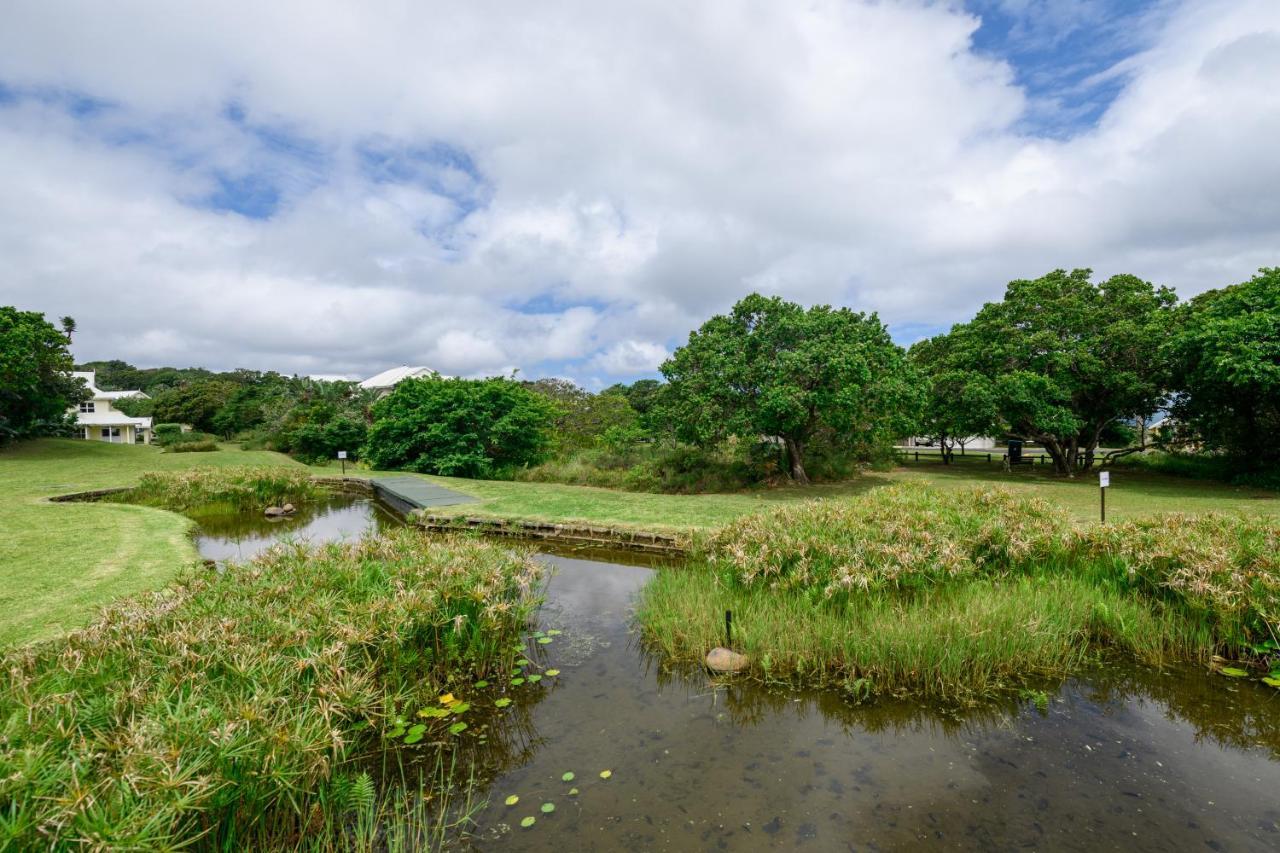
(240, 536)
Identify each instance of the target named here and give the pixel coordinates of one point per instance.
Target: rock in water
(288, 509)
(273, 511)
(721, 659)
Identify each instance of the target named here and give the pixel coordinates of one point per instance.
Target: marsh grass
(237, 489)
(963, 593)
(234, 701)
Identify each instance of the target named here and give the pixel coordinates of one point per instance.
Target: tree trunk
(795, 456)
(1061, 463)
(946, 450)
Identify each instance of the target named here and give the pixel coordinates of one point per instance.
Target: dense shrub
(1201, 466)
(203, 445)
(163, 434)
(237, 488)
(460, 427)
(230, 701)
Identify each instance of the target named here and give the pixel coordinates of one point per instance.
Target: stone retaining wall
(572, 534)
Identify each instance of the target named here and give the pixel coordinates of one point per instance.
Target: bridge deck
(419, 493)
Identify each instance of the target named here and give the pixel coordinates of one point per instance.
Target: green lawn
(57, 561)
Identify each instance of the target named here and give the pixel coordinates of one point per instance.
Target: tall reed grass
(230, 704)
(961, 592)
(232, 488)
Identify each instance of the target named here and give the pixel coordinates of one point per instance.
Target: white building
(388, 379)
(99, 420)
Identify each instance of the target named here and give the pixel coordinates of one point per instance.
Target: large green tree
(1064, 358)
(958, 404)
(584, 418)
(1226, 365)
(461, 427)
(36, 386)
(196, 403)
(774, 368)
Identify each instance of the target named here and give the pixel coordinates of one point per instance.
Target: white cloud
(636, 167)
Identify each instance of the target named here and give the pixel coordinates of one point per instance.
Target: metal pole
(1103, 496)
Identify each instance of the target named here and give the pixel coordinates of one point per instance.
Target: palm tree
(68, 327)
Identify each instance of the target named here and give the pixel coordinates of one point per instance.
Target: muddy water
(238, 536)
(1125, 759)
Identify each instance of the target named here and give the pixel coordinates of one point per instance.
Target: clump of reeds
(227, 701)
(951, 592)
(234, 488)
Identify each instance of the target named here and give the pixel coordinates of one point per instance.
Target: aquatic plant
(233, 489)
(966, 591)
(232, 702)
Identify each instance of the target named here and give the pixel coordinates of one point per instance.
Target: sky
(568, 188)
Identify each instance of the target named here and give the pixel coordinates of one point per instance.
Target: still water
(1127, 758)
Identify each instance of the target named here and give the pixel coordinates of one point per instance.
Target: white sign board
(342, 454)
(1104, 478)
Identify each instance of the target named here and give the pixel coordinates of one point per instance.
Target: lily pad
(537, 635)
(1234, 672)
(501, 703)
(446, 699)
(1271, 682)
(522, 662)
(573, 792)
(544, 640)
(433, 713)
(457, 728)
(605, 774)
(481, 683)
(553, 672)
(528, 822)
(415, 733)
(512, 800)
(517, 681)
(548, 808)
(554, 632)
(396, 731)
(460, 707)
(535, 678)
(568, 777)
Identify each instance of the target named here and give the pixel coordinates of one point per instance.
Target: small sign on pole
(342, 454)
(1104, 481)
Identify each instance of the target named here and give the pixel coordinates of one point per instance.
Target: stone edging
(572, 534)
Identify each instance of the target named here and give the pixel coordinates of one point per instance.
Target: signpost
(1104, 481)
(342, 454)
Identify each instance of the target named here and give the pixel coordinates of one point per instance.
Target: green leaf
(415, 733)
(461, 707)
(553, 672)
(548, 808)
(528, 822)
(501, 703)
(434, 713)
(457, 728)
(573, 792)
(1272, 681)
(554, 632)
(522, 662)
(535, 678)
(544, 640)
(605, 774)
(568, 777)
(1234, 672)
(512, 800)
(481, 683)
(517, 681)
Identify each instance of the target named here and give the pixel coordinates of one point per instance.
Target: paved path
(421, 493)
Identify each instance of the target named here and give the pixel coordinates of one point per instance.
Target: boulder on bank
(289, 509)
(721, 659)
(273, 512)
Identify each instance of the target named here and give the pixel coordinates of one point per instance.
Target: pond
(1126, 758)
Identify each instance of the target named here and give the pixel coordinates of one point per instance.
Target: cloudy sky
(568, 187)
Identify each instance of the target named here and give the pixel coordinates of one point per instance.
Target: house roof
(111, 419)
(388, 378)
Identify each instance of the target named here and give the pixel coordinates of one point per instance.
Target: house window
(87, 407)
(84, 433)
(111, 433)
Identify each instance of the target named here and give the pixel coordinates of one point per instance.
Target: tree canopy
(460, 427)
(36, 386)
(1225, 356)
(1063, 358)
(958, 404)
(774, 368)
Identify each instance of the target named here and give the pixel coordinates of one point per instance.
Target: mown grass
(59, 561)
(960, 593)
(227, 707)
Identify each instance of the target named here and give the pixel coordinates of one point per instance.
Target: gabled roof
(388, 378)
(90, 379)
(110, 419)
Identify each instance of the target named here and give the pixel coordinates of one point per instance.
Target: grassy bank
(957, 593)
(58, 561)
(228, 706)
(233, 489)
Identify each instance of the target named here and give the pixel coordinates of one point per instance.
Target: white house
(99, 420)
(388, 379)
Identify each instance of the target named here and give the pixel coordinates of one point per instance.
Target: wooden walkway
(418, 493)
